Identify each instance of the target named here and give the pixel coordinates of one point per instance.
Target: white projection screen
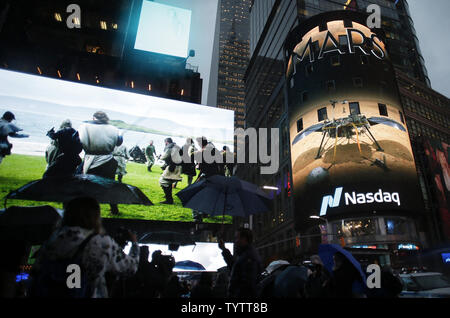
(163, 29)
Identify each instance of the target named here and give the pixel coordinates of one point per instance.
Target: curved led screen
(350, 149)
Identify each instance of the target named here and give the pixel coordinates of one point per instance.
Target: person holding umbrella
(245, 265)
(315, 286)
(344, 276)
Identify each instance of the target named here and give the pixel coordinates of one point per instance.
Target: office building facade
(97, 51)
(267, 106)
(233, 56)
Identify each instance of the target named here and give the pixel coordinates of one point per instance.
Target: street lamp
(316, 217)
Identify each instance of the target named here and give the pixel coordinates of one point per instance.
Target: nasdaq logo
(330, 201)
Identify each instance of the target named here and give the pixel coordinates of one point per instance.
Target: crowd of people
(107, 272)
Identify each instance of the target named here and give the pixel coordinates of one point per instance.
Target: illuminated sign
(358, 198)
(315, 45)
(40, 103)
(410, 247)
(163, 29)
(350, 148)
(371, 247)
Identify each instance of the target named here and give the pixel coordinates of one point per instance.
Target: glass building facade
(266, 106)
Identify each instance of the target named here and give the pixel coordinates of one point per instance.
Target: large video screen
(163, 29)
(206, 254)
(40, 104)
(350, 147)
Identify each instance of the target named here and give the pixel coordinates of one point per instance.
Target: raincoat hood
(64, 242)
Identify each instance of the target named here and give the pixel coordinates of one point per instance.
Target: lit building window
(39, 70)
(78, 76)
(132, 84)
(114, 26)
(59, 74)
(182, 92)
(57, 17)
(76, 21)
(149, 87)
(103, 25)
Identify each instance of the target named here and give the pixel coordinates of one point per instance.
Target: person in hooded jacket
(101, 254)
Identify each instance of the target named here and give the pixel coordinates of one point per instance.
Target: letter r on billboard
(331, 201)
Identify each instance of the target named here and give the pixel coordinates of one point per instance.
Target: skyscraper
(233, 56)
(401, 40)
(267, 106)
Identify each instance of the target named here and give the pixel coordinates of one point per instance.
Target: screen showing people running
(163, 29)
(55, 128)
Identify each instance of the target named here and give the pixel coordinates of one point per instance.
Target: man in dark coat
(63, 154)
(7, 128)
(245, 266)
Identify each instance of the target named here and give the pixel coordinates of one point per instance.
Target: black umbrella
(218, 195)
(30, 224)
(167, 237)
(63, 189)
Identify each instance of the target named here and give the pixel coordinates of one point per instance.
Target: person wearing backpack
(63, 155)
(80, 241)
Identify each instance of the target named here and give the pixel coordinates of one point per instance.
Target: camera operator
(81, 234)
(161, 270)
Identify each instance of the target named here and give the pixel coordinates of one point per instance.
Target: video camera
(121, 236)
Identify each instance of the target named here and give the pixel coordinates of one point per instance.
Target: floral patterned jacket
(101, 255)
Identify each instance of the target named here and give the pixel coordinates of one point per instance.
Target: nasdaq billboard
(350, 148)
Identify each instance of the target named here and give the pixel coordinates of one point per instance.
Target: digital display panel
(163, 29)
(350, 148)
(206, 254)
(40, 104)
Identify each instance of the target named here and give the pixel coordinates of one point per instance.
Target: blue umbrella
(190, 266)
(326, 253)
(219, 195)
